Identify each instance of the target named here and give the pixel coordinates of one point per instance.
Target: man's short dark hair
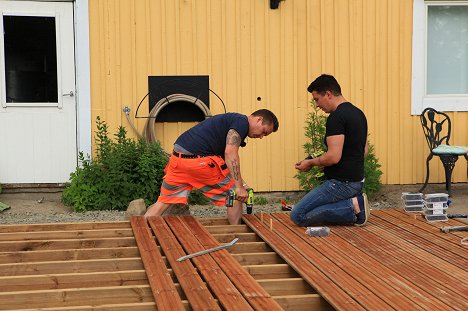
(268, 118)
(325, 83)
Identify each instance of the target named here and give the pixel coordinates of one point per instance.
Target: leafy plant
(197, 198)
(122, 170)
(315, 132)
(260, 200)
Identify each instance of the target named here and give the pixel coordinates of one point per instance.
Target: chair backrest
(436, 126)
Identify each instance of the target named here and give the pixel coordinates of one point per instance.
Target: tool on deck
(457, 215)
(448, 229)
(231, 197)
(206, 251)
(285, 206)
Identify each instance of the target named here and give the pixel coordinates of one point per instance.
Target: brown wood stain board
(396, 262)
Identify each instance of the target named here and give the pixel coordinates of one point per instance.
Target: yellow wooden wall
(262, 58)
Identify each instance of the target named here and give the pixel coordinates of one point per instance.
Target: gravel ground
(49, 210)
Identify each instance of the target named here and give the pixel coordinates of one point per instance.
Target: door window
(30, 59)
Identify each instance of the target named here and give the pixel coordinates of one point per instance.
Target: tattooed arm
(231, 156)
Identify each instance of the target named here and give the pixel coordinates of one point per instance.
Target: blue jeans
(329, 203)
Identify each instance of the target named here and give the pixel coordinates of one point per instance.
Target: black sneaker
(363, 215)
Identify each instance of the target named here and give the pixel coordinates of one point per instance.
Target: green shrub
(260, 200)
(197, 198)
(121, 171)
(315, 132)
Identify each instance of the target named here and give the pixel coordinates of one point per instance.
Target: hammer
(448, 229)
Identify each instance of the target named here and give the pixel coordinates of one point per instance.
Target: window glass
(30, 59)
(447, 49)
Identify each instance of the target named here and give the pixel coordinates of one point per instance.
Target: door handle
(69, 94)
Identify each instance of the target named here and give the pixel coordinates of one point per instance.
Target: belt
(185, 156)
(194, 156)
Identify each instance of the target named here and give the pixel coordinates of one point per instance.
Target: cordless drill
(231, 197)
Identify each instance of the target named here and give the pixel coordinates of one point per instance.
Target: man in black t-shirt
(206, 157)
(339, 199)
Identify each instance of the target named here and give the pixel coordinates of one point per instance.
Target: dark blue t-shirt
(209, 136)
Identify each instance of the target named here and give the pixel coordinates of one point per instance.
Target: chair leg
(449, 163)
(427, 172)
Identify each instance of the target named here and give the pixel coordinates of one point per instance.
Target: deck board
(398, 261)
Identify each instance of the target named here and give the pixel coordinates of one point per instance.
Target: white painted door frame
(82, 75)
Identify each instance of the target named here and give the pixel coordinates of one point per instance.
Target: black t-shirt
(352, 123)
(209, 136)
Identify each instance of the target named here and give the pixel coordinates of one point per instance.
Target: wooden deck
(396, 262)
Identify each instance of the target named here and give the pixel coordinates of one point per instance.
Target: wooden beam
(284, 287)
(56, 235)
(195, 290)
(69, 254)
(64, 226)
(18, 246)
(221, 286)
(243, 237)
(273, 271)
(334, 294)
(71, 266)
(164, 291)
(75, 297)
(72, 280)
(258, 298)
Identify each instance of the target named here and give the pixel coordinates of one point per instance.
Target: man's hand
(241, 194)
(304, 165)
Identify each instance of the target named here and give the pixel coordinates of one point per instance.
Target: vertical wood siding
(257, 57)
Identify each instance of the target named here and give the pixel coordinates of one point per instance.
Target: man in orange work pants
(206, 157)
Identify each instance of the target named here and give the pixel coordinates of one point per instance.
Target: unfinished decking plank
(429, 242)
(222, 287)
(249, 247)
(56, 235)
(393, 288)
(274, 271)
(330, 291)
(75, 297)
(258, 298)
(440, 269)
(164, 291)
(305, 302)
(223, 229)
(286, 287)
(70, 266)
(141, 306)
(194, 288)
(18, 246)
(64, 226)
(72, 280)
(69, 254)
(243, 237)
(400, 262)
(266, 258)
(347, 274)
(421, 223)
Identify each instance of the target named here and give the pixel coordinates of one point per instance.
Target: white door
(37, 92)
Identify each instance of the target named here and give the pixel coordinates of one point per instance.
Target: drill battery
(315, 155)
(231, 197)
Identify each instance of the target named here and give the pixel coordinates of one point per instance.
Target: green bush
(121, 171)
(315, 132)
(260, 200)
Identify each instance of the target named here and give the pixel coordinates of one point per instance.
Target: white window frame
(419, 97)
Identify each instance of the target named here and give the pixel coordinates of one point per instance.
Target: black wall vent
(162, 86)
